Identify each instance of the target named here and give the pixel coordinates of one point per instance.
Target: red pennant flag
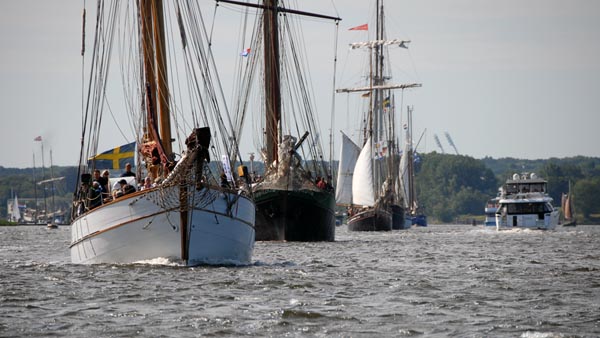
(364, 27)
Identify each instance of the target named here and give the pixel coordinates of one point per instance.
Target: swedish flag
(114, 158)
(386, 102)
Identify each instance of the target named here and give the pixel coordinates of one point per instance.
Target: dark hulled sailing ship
(290, 204)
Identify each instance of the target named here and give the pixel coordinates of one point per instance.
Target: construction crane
(439, 144)
(451, 142)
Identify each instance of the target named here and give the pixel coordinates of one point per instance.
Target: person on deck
(321, 183)
(96, 175)
(328, 185)
(95, 195)
(104, 183)
(125, 188)
(224, 181)
(128, 172)
(147, 183)
(100, 180)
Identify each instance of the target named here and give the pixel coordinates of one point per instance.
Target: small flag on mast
(364, 27)
(39, 139)
(386, 102)
(246, 52)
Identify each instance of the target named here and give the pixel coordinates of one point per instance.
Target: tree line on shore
(455, 186)
(448, 186)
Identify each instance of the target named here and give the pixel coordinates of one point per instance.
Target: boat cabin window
(512, 188)
(528, 208)
(515, 188)
(538, 187)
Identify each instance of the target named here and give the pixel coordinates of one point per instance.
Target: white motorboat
(525, 203)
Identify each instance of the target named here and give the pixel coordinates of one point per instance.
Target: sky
(513, 78)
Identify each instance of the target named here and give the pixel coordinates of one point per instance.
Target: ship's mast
(155, 69)
(410, 163)
(272, 79)
(272, 69)
(162, 93)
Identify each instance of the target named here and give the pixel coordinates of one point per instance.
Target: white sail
(362, 181)
(16, 213)
(404, 170)
(404, 178)
(348, 155)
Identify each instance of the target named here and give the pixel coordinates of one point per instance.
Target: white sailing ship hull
(147, 225)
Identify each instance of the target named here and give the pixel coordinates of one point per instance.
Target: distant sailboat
(50, 216)
(51, 221)
(16, 213)
(414, 214)
(567, 209)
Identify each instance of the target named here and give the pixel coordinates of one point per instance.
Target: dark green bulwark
(295, 215)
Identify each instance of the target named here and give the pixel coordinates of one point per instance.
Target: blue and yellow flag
(386, 102)
(115, 158)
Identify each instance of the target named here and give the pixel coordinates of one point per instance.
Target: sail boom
(377, 87)
(50, 180)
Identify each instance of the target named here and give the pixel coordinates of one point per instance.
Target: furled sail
(362, 181)
(348, 155)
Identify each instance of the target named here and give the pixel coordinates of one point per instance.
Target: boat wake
(159, 261)
(517, 231)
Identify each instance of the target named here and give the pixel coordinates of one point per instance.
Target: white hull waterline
(143, 226)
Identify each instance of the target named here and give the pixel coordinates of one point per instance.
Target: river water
(439, 281)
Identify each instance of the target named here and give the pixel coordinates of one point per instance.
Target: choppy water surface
(439, 281)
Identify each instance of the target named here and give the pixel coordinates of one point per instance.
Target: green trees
(21, 182)
(451, 185)
(582, 173)
(587, 197)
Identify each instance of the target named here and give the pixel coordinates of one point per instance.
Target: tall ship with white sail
(414, 214)
(376, 202)
(192, 210)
